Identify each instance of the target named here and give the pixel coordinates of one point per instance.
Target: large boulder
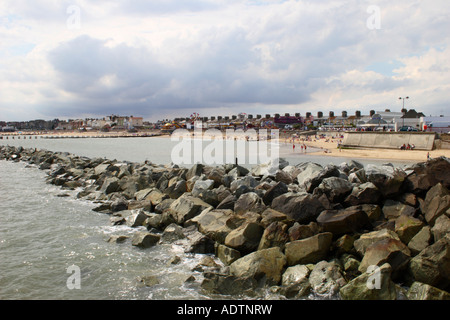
(308, 170)
(315, 180)
(187, 207)
(422, 291)
(391, 251)
(365, 193)
(143, 239)
(428, 174)
(195, 170)
(441, 227)
(263, 265)
(421, 240)
(436, 202)
(335, 188)
(386, 178)
(110, 185)
(373, 285)
(275, 235)
(309, 250)
(202, 185)
(276, 190)
(394, 209)
(245, 238)
(249, 202)
(407, 227)
(367, 239)
(326, 278)
(343, 221)
(214, 223)
(432, 265)
(301, 207)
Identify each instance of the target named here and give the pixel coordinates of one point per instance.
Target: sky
(161, 59)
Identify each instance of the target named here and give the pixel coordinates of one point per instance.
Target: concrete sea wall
(389, 140)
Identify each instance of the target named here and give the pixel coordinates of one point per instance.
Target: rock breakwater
(347, 231)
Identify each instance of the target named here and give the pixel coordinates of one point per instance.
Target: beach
(326, 146)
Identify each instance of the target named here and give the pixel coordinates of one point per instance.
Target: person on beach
(293, 147)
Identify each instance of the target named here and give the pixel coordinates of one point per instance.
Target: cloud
(165, 58)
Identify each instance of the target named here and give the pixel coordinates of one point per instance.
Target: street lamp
(403, 122)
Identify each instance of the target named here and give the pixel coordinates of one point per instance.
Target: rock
(357, 176)
(164, 205)
(110, 185)
(269, 215)
(263, 265)
(275, 235)
(432, 265)
(172, 232)
(366, 193)
(350, 264)
(144, 239)
(422, 291)
(343, 221)
(295, 274)
(249, 202)
(246, 238)
(391, 251)
(373, 211)
(309, 250)
(308, 170)
(314, 181)
(428, 174)
(326, 278)
(136, 219)
(142, 194)
(369, 238)
(101, 168)
(441, 227)
(213, 223)
(344, 244)
(299, 231)
(149, 280)
(394, 209)
(226, 284)
(186, 207)
(145, 205)
(227, 255)
(283, 176)
(117, 238)
(202, 185)
(277, 190)
(407, 227)
(437, 201)
(195, 170)
(301, 207)
(247, 181)
(156, 197)
(295, 282)
(199, 243)
(373, 285)
(386, 178)
(335, 189)
(421, 240)
(227, 203)
(178, 189)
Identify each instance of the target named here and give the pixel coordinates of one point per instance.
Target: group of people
(407, 147)
(303, 146)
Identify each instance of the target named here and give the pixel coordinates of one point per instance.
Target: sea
(53, 246)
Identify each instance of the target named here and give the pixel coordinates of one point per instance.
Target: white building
(436, 124)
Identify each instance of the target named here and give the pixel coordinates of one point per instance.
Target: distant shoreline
(327, 146)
